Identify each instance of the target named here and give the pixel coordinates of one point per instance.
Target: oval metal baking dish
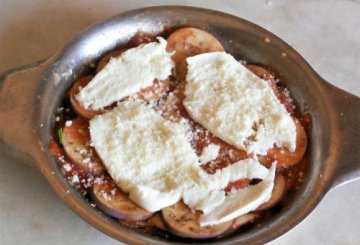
(29, 96)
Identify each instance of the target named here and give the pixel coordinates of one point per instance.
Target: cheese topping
(241, 201)
(235, 105)
(208, 195)
(152, 159)
(209, 153)
(136, 68)
(146, 155)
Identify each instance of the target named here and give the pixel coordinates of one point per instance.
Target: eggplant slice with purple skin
(157, 221)
(76, 141)
(183, 222)
(241, 221)
(188, 42)
(113, 201)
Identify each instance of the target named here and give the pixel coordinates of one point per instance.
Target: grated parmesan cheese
(68, 123)
(209, 153)
(67, 167)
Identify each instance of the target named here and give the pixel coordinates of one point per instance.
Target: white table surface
(326, 33)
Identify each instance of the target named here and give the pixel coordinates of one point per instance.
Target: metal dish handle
(347, 109)
(18, 95)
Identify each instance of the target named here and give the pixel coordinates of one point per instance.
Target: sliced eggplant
(277, 193)
(113, 201)
(135, 224)
(183, 222)
(241, 221)
(188, 42)
(76, 141)
(157, 221)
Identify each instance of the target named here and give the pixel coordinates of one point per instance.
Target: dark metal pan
(29, 96)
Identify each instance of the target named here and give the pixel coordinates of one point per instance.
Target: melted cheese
(235, 105)
(152, 159)
(136, 68)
